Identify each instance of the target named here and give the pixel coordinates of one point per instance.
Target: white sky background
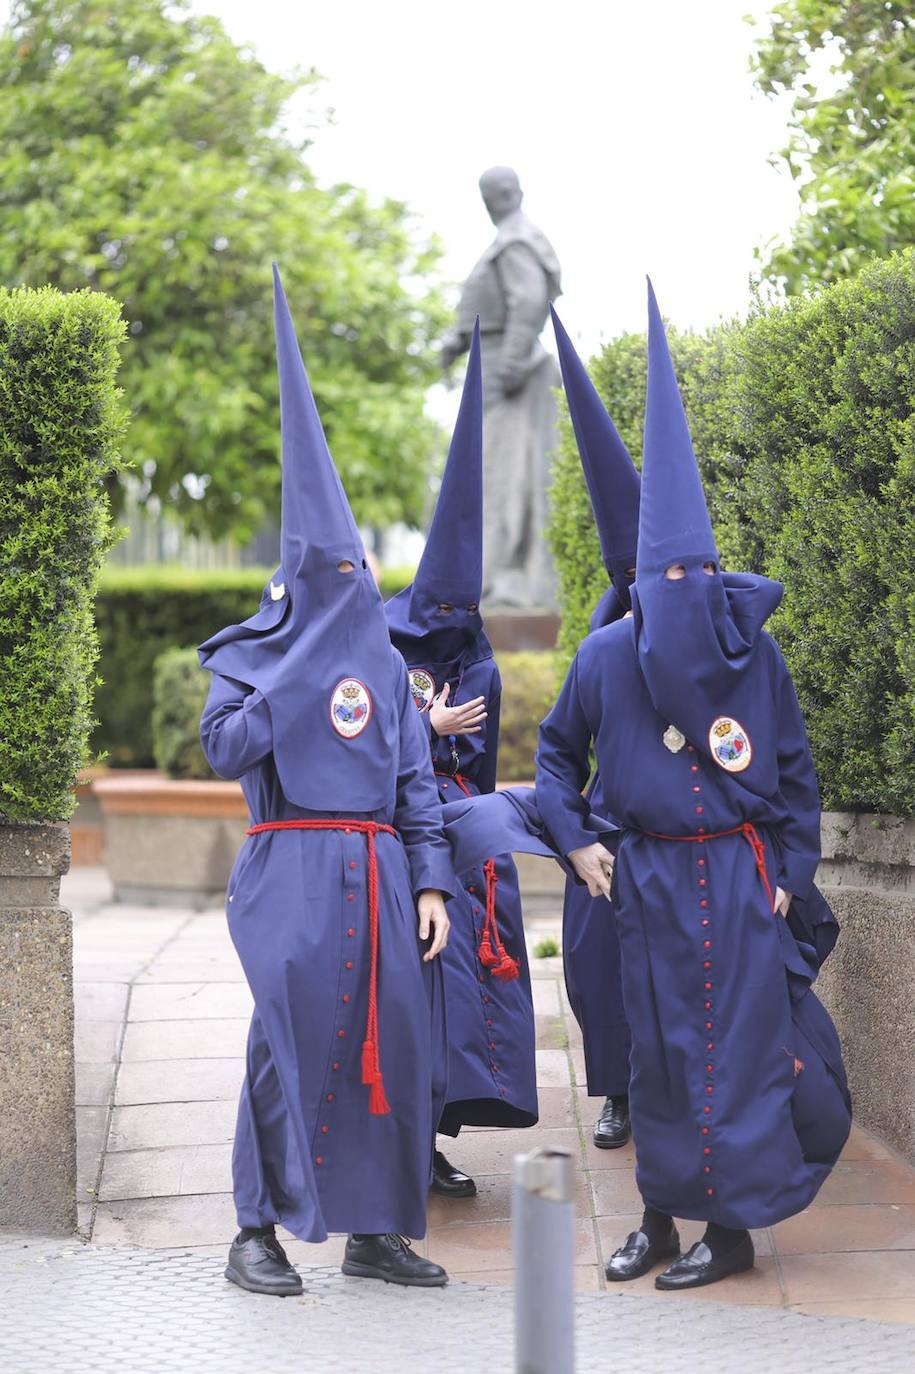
(635, 128)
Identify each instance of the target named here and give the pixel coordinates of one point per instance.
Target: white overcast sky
(640, 141)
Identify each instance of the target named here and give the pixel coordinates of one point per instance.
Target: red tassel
(378, 1103)
(487, 957)
(369, 1055)
(507, 968)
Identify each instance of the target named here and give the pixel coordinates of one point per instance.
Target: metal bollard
(543, 1226)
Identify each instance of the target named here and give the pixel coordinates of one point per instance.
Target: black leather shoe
(391, 1259)
(613, 1128)
(448, 1181)
(260, 1265)
(699, 1266)
(639, 1255)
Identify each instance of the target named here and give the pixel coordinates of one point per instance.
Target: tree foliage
(145, 154)
(851, 67)
(803, 421)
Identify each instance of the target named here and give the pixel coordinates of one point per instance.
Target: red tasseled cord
(503, 965)
(371, 1055)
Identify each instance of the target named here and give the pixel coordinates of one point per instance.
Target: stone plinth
(170, 843)
(37, 1094)
(868, 876)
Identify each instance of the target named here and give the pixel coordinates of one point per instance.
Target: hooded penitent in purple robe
(491, 1067)
(590, 943)
(310, 708)
(738, 1096)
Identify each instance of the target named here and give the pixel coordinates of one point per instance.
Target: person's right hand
(594, 865)
(466, 719)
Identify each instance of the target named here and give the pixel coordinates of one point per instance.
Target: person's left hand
(782, 900)
(430, 907)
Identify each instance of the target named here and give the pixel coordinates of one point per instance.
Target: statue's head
(501, 192)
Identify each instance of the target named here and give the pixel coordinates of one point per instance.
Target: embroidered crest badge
(350, 707)
(422, 687)
(730, 744)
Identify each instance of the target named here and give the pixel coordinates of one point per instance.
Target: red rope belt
(371, 1058)
(503, 966)
(750, 834)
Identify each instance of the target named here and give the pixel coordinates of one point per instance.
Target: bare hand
(433, 917)
(782, 901)
(594, 865)
(466, 719)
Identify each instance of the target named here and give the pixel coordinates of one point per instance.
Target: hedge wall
(61, 421)
(143, 611)
(804, 425)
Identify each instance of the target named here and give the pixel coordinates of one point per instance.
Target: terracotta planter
(170, 843)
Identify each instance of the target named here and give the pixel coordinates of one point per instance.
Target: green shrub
(547, 948)
(180, 689)
(143, 611)
(529, 684)
(804, 425)
(61, 421)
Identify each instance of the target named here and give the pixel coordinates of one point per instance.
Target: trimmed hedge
(804, 426)
(529, 686)
(143, 611)
(61, 422)
(180, 689)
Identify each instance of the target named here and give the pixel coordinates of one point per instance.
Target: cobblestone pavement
(81, 1308)
(162, 1013)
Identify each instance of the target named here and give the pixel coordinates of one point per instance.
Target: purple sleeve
(235, 729)
(799, 834)
(418, 811)
(563, 768)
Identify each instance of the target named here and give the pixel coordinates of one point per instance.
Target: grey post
(543, 1227)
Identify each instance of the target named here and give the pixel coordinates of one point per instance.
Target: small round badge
(350, 707)
(730, 744)
(422, 687)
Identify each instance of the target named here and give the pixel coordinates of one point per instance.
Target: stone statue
(510, 289)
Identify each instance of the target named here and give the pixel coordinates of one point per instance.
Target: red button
(710, 1045)
(492, 1044)
(709, 1068)
(335, 1067)
(351, 932)
(347, 831)
(703, 882)
(486, 1001)
(706, 944)
(324, 1130)
(706, 1149)
(705, 1130)
(352, 863)
(708, 1025)
(346, 997)
(330, 1097)
(341, 1034)
(694, 768)
(696, 787)
(488, 1021)
(690, 749)
(701, 863)
(708, 987)
(700, 810)
(705, 921)
(703, 903)
(471, 888)
(706, 1110)
(350, 896)
(706, 1168)
(444, 784)
(319, 1159)
(710, 1191)
(706, 963)
(349, 963)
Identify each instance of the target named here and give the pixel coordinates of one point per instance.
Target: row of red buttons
(705, 926)
(345, 999)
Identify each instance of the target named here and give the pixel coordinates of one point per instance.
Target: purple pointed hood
(611, 475)
(318, 648)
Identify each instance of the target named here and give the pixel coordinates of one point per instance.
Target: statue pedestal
(510, 631)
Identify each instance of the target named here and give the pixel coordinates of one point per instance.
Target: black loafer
(448, 1181)
(613, 1128)
(639, 1255)
(699, 1266)
(259, 1264)
(391, 1259)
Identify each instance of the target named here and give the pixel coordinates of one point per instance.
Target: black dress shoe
(640, 1254)
(700, 1266)
(391, 1259)
(448, 1181)
(260, 1265)
(613, 1128)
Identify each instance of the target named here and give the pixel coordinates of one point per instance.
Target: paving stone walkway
(162, 1014)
